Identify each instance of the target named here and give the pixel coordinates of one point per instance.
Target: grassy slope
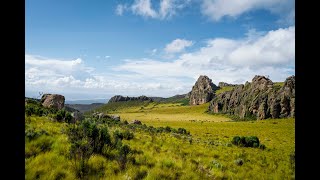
(165, 112)
(164, 156)
(277, 135)
(224, 89)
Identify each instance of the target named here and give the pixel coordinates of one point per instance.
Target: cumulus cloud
(177, 45)
(217, 9)
(233, 61)
(145, 8)
(121, 8)
(74, 79)
(230, 60)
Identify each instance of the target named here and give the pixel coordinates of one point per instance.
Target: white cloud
(167, 8)
(107, 57)
(143, 8)
(121, 8)
(233, 61)
(217, 9)
(75, 80)
(177, 45)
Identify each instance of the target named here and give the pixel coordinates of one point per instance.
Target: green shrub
(236, 140)
(238, 162)
(247, 141)
(262, 146)
(123, 156)
(127, 135)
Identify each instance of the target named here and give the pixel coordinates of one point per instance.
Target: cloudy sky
(96, 49)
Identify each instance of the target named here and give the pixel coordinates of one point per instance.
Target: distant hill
(86, 101)
(84, 107)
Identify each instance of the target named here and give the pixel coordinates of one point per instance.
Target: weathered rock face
(259, 99)
(202, 91)
(119, 98)
(53, 101)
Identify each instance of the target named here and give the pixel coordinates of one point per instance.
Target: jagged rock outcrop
(223, 84)
(119, 98)
(260, 99)
(203, 91)
(53, 101)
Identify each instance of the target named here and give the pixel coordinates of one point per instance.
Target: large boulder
(203, 91)
(53, 101)
(260, 99)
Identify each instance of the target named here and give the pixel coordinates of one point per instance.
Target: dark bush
(247, 141)
(123, 156)
(60, 115)
(262, 146)
(236, 140)
(239, 162)
(127, 135)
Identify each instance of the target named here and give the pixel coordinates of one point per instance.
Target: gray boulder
(53, 101)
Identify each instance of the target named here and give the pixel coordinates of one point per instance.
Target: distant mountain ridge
(87, 101)
(84, 107)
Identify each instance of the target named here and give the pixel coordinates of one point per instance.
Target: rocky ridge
(203, 91)
(260, 99)
(119, 98)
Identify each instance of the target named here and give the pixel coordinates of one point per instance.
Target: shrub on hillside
(247, 141)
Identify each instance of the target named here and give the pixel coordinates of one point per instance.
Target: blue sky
(96, 49)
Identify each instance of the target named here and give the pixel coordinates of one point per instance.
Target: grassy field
(155, 112)
(206, 154)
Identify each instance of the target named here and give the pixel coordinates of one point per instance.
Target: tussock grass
(207, 154)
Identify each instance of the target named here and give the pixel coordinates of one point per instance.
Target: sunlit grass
(207, 154)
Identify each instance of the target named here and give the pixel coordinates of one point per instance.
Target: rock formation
(53, 101)
(203, 91)
(100, 115)
(119, 98)
(259, 99)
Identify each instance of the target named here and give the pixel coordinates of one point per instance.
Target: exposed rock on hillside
(53, 101)
(202, 91)
(101, 115)
(259, 99)
(119, 98)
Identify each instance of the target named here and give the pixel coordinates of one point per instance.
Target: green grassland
(224, 89)
(207, 153)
